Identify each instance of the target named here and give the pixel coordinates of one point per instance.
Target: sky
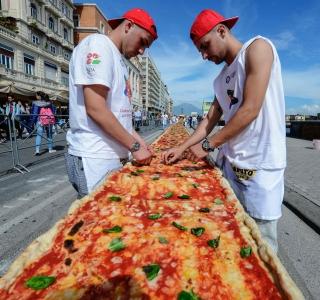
(293, 26)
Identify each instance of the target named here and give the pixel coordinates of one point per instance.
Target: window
(6, 60)
(50, 71)
(66, 55)
(28, 64)
(51, 23)
(35, 39)
(76, 20)
(64, 77)
(65, 34)
(102, 28)
(53, 49)
(34, 12)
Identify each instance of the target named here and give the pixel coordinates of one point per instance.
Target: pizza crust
(283, 280)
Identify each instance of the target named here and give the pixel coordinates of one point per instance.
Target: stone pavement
(302, 181)
(303, 169)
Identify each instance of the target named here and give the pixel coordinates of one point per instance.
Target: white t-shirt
(262, 144)
(96, 60)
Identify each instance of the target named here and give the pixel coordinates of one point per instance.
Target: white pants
(96, 169)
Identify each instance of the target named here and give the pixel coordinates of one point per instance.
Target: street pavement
(31, 203)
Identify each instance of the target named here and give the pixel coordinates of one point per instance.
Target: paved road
(31, 203)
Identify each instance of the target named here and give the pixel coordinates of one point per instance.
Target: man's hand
(142, 157)
(196, 152)
(171, 155)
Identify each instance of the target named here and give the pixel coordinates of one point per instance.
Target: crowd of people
(22, 119)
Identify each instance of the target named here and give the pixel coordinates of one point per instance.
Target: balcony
(52, 8)
(7, 32)
(67, 44)
(66, 20)
(36, 24)
(55, 36)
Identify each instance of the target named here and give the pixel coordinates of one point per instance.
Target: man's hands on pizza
(172, 155)
(196, 152)
(142, 157)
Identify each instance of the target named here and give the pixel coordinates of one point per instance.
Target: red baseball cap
(206, 20)
(139, 17)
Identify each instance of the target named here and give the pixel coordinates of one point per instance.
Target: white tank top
(262, 144)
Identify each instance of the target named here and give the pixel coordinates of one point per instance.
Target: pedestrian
(164, 119)
(13, 116)
(42, 116)
(137, 119)
(249, 93)
(101, 134)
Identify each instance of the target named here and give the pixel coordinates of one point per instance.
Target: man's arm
(203, 130)
(259, 59)
(94, 99)
(205, 126)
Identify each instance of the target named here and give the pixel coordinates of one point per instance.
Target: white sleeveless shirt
(262, 144)
(96, 60)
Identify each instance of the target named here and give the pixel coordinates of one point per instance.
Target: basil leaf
(195, 185)
(168, 195)
(114, 229)
(134, 173)
(204, 209)
(198, 231)
(218, 201)
(151, 271)
(40, 282)
(115, 198)
(163, 240)
(140, 171)
(154, 216)
(184, 196)
(184, 295)
(203, 172)
(155, 177)
(214, 243)
(116, 245)
(175, 224)
(246, 251)
(194, 162)
(179, 175)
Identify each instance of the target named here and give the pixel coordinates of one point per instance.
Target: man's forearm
(112, 127)
(235, 126)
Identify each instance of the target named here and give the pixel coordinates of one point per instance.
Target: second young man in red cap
(249, 94)
(101, 132)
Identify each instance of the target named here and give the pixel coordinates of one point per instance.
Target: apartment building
(155, 95)
(36, 42)
(88, 18)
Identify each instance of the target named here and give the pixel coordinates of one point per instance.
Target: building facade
(36, 42)
(88, 19)
(155, 95)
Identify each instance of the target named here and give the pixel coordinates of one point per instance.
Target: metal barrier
(22, 122)
(16, 141)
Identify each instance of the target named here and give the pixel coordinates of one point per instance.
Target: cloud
(302, 83)
(284, 40)
(312, 109)
(189, 78)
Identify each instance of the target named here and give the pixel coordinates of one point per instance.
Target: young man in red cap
(249, 94)
(101, 133)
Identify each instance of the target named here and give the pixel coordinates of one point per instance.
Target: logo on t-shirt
(233, 99)
(127, 90)
(93, 58)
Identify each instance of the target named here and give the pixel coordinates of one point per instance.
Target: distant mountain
(186, 109)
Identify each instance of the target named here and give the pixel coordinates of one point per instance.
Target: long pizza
(153, 232)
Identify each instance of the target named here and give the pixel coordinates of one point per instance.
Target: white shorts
(96, 169)
(259, 191)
